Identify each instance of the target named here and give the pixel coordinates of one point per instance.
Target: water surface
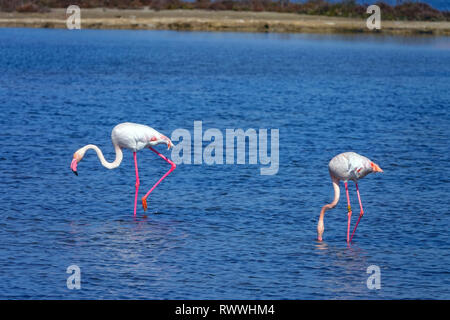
(223, 231)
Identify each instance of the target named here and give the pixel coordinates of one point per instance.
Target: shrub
(346, 8)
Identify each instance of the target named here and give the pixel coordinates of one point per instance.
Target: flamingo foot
(144, 203)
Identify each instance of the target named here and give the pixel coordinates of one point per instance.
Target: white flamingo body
(135, 136)
(132, 136)
(346, 166)
(349, 166)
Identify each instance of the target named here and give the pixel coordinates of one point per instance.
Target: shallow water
(223, 231)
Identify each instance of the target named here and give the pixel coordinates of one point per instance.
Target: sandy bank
(199, 20)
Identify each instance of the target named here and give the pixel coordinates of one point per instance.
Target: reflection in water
(363, 39)
(138, 245)
(345, 274)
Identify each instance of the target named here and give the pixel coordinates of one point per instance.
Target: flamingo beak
(375, 167)
(73, 166)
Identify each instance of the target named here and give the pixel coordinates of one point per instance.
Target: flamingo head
(320, 229)
(167, 141)
(161, 139)
(76, 159)
(375, 167)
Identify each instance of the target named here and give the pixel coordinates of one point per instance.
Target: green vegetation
(404, 10)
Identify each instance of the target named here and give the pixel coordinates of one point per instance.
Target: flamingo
(134, 137)
(346, 166)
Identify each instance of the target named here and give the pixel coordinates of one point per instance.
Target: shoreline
(202, 20)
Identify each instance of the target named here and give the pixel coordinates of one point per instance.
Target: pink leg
(137, 182)
(144, 198)
(349, 208)
(360, 214)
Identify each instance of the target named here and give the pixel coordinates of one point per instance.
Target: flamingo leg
(173, 166)
(349, 208)
(360, 214)
(137, 182)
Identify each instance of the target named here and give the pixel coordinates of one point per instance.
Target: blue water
(223, 231)
(438, 4)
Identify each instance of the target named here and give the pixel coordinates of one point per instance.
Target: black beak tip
(76, 172)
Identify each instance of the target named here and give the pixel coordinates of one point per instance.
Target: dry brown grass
(218, 21)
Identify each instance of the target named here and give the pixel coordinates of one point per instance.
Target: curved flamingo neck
(320, 225)
(337, 192)
(106, 164)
